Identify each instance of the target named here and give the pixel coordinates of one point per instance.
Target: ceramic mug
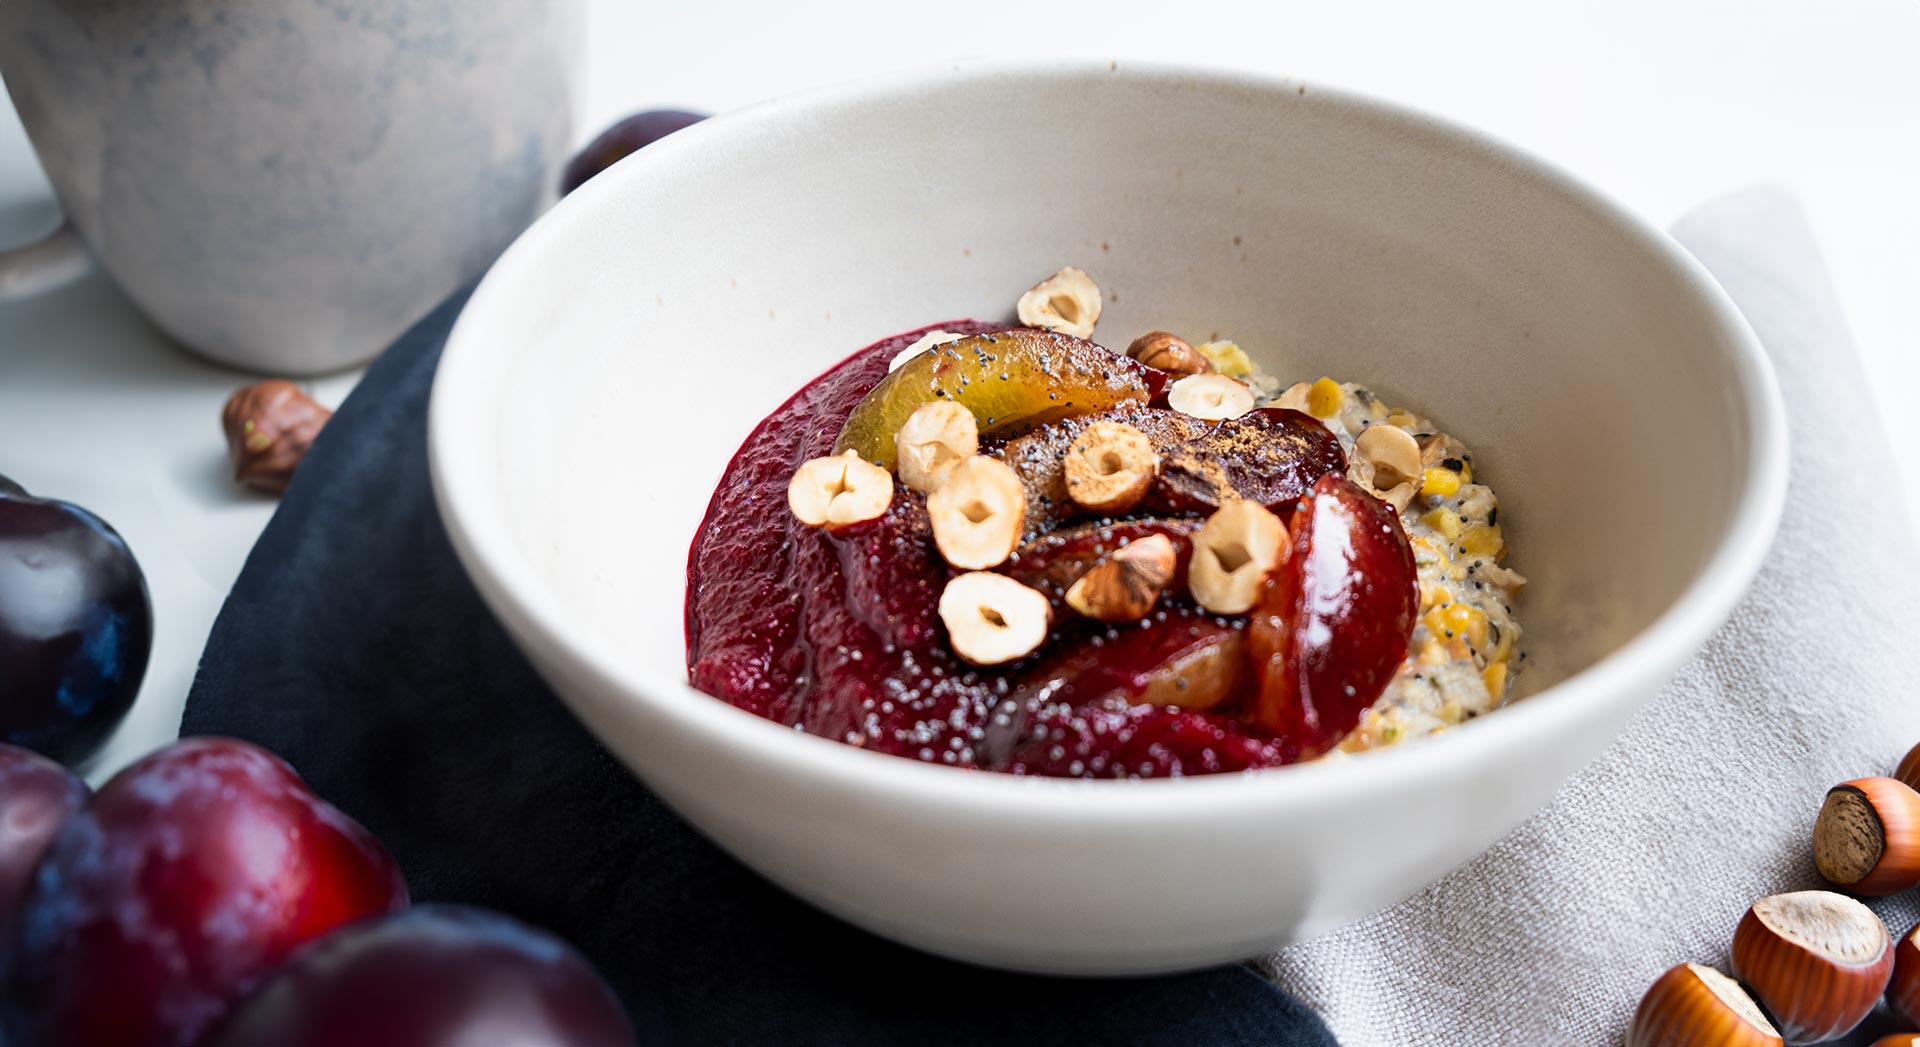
(286, 187)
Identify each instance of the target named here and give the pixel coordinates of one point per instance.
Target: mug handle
(55, 260)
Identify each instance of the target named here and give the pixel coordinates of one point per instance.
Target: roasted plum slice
(1271, 456)
(1038, 457)
(1091, 695)
(1010, 380)
(1184, 657)
(1052, 562)
(1333, 622)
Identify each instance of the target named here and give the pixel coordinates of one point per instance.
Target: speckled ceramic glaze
(285, 186)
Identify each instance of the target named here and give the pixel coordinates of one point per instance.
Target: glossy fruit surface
(436, 976)
(191, 875)
(37, 796)
(1271, 456)
(76, 626)
(1010, 380)
(1333, 623)
(1052, 562)
(617, 142)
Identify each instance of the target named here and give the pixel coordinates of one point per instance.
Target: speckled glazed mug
(285, 186)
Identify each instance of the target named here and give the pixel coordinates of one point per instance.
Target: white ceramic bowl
(614, 359)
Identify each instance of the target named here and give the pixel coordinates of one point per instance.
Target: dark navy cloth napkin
(354, 646)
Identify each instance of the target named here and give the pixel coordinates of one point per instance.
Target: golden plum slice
(1011, 380)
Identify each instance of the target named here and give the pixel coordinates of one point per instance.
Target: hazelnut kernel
(1393, 454)
(978, 513)
(1068, 302)
(1232, 554)
(1170, 353)
(839, 491)
(992, 619)
(1127, 584)
(269, 427)
(933, 442)
(1210, 396)
(1109, 467)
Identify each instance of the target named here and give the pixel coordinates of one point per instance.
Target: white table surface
(1660, 103)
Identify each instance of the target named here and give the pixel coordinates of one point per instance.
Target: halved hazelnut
(1816, 960)
(978, 513)
(1392, 454)
(936, 438)
(1068, 302)
(1210, 396)
(1170, 353)
(1295, 397)
(1401, 496)
(1232, 553)
(921, 345)
(1867, 837)
(1909, 769)
(1109, 467)
(1903, 993)
(1125, 586)
(992, 619)
(1696, 1006)
(838, 491)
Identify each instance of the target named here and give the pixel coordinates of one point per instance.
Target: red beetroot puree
(837, 633)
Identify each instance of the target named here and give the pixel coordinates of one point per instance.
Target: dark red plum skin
(76, 626)
(435, 976)
(37, 797)
(616, 143)
(193, 873)
(1271, 456)
(1333, 623)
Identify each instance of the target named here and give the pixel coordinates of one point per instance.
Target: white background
(1660, 104)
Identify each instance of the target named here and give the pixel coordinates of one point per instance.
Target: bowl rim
(537, 616)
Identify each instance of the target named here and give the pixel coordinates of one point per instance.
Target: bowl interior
(620, 354)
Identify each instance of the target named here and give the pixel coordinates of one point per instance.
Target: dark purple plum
(191, 876)
(37, 796)
(10, 489)
(435, 976)
(616, 142)
(76, 626)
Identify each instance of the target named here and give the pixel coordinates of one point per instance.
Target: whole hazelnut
(1817, 961)
(269, 426)
(1170, 353)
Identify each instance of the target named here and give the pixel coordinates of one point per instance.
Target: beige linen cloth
(1649, 857)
